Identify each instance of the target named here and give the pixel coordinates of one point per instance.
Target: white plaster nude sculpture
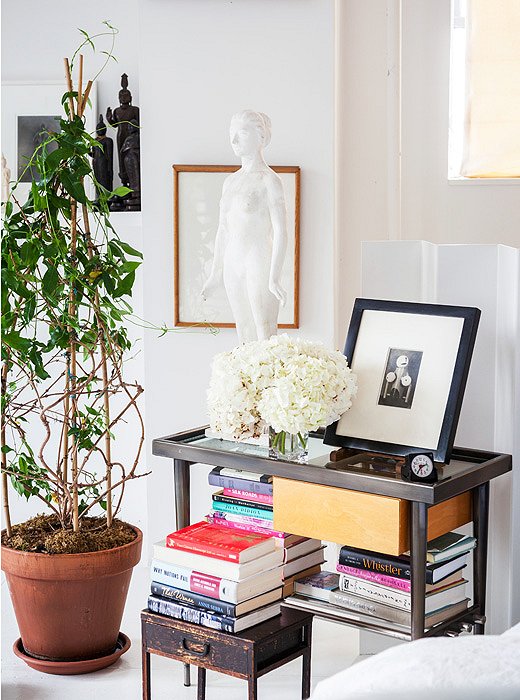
(251, 238)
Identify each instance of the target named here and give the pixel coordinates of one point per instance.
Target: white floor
(334, 647)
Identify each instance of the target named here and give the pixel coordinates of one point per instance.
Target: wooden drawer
(363, 520)
(200, 646)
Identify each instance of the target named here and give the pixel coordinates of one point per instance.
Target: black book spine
(389, 566)
(219, 498)
(229, 482)
(189, 614)
(264, 478)
(220, 607)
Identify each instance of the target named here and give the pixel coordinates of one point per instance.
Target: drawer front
(363, 520)
(198, 648)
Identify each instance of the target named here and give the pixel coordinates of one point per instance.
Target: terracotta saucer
(70, 668)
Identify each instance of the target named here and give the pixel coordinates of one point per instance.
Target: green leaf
(16, 341)
(121, 191)
(129, 250)
(50, 281)
(87, 37)
(125, 286)
(73, 187)
(129, 266)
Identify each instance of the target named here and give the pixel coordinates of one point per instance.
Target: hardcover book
(448, 546)
(219, 497)
(242, 474)
(208, 619)
(398, 567)
(234, 571)
(189, 579)
(248, 527)
(400, 584)
(249, 496)
(302, 563)
(435, 599)
(245, 519)
(253, 511)
(220, 542)
(318, 585)
(386, 612)
(220, 607)
(233, 482)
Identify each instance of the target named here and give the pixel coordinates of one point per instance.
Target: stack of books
(375, 584)
(216, 577)
(245, 502)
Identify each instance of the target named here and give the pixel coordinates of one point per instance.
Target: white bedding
(474, 667)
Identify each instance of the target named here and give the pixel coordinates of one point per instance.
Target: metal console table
(469, 470)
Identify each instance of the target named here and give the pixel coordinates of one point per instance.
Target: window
(484, 138)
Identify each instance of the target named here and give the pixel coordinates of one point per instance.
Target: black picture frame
(418, 407)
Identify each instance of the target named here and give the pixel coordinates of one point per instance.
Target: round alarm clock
(420, 467)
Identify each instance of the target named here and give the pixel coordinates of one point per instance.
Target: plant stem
(5, 492)
(104, 370)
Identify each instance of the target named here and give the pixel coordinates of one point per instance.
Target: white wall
(200, 63)
(392, 156)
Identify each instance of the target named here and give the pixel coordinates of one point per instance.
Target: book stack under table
(376, 585)
(208, 575)
(245, 502)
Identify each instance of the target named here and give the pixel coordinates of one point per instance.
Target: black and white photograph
(406, 356)
(400, 377)
(32, 132)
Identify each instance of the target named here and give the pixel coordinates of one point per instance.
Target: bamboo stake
(80, 84)
(85, 97)
(5, 491)
(106, 401)
(68, 78)
(72, 378)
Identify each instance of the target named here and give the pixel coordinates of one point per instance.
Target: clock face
(422, 466)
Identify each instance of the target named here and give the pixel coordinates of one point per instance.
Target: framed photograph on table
(412, 362)
(197, 193)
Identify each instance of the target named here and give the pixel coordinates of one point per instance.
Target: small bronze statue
(124, 118)
(103, 157)
(131, 159)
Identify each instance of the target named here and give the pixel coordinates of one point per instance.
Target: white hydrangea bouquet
(288, 386)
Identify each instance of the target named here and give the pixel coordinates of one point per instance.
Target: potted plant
(66, 281)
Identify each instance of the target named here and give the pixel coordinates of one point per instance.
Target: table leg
(480, 530)
(201, 683)
(181, 477)
(418, 540)
(306, 662)
(147, 691)
(252, 688)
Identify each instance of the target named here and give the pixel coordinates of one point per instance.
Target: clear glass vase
(292, 448)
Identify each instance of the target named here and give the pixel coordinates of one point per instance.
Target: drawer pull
(201, 654)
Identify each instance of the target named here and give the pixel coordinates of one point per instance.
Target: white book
(217, 567)
(305, 562)
(300, 549)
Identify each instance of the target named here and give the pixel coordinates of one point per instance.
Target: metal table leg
(480, 530)
(418, 546)
(181, 476)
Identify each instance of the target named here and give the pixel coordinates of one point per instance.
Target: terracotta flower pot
(69, 606)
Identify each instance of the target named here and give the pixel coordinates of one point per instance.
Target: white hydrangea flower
(287, 383)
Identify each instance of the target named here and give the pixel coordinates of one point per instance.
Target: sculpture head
(249, 132)
(101, 127)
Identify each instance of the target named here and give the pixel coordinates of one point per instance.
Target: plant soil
(44, 534)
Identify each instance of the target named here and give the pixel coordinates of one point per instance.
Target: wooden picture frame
(412, 363)
(196, 196)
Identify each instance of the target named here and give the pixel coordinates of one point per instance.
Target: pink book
(244, 526)
(249, 496)
(381, 579)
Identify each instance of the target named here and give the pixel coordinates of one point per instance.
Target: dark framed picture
(412, 362)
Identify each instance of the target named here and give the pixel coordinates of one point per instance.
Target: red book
(221, 542)
(249, 496)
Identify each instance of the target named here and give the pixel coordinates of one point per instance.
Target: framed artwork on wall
(197, 193)
(412, 362)
(29, 112)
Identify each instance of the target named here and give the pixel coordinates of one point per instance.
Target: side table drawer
(363, 520)
(200, 648)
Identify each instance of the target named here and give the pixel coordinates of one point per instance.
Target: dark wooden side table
(248, 654)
